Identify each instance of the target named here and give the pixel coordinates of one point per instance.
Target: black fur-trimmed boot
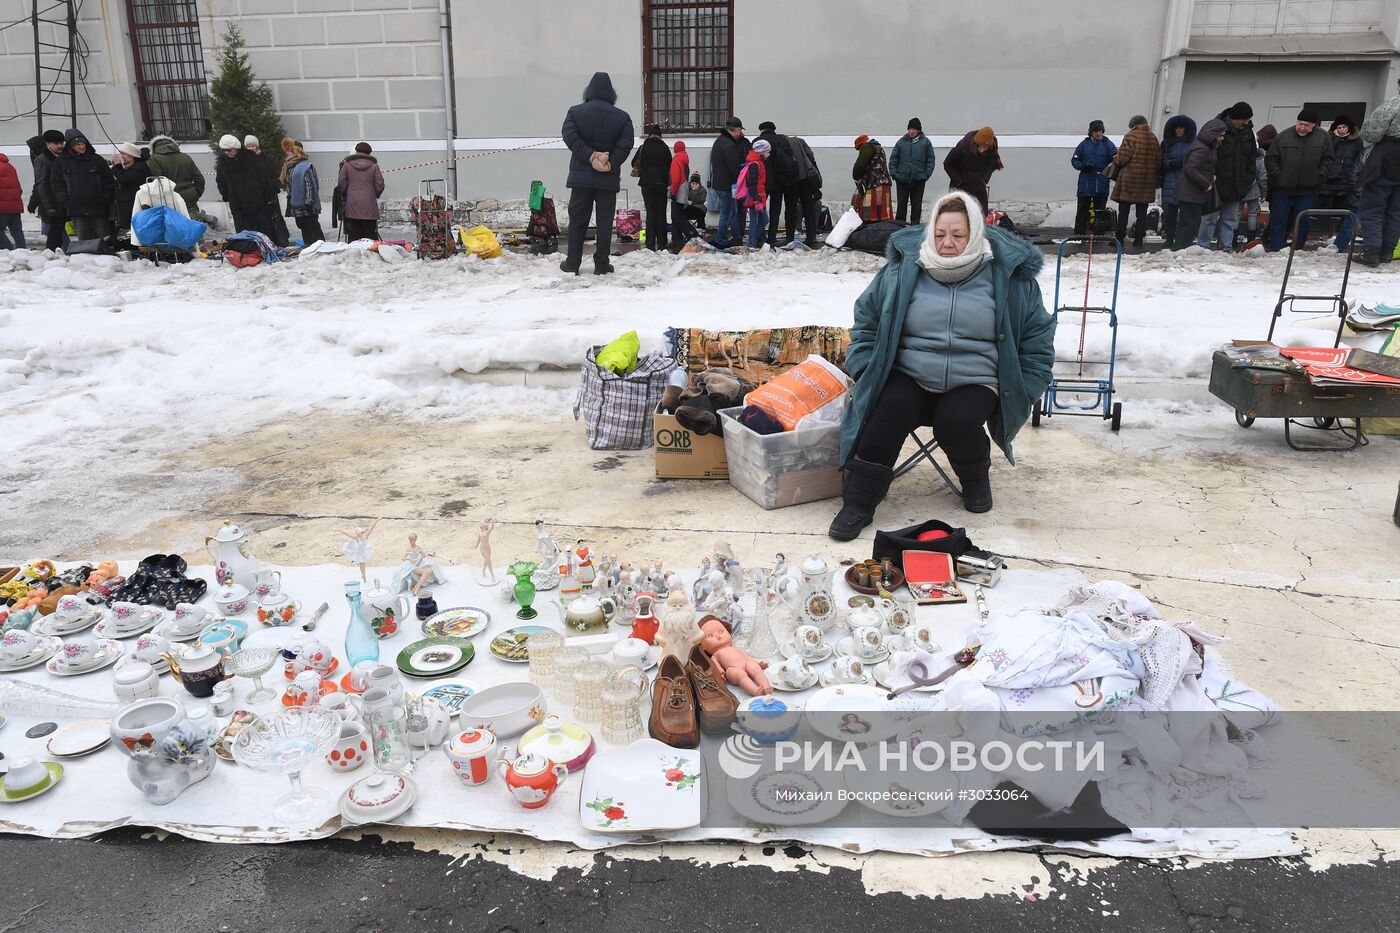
(976, 483)
(864, 489)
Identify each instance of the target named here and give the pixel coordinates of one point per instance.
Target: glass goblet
(253, 662)
(285, 743)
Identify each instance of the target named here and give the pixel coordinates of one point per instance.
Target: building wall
(1276, 91)
(1285, 17)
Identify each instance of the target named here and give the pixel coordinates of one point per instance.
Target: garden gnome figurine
(483, 544)
(358, 548)
(733, 665)
(678, 632)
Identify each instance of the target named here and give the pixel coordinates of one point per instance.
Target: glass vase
(361, 644)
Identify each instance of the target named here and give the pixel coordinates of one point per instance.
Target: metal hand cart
(1090, 395)
(1255, 393)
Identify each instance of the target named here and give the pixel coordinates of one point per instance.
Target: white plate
(788, 650)
(52, 626)
(845, 713)
(172, 633)
(108, 651)
(780, 685)
(881, 673)
(147, 619)
(80, 739)
(846, 648)
(48, 644)
(827, 679)
(925, 788)
(659, 788)
(755, 798)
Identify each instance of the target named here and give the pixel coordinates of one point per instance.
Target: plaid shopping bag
(617, 411)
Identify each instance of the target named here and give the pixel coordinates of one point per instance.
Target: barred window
(688, 60)
(169, 64)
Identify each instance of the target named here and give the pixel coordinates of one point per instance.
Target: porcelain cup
(189, 617)
(387, 678)
(77, 653)
(128, 616)
(151, 647)
(899, 615)
(360, 675)
(337, 703)
(18, 644)
(27, 774)
(848, 670)
(630, 651)
(921, 637)
(867, 642)
(351, 749)
(313, 656)
(72, 608)
(794, 672)
(809, 642)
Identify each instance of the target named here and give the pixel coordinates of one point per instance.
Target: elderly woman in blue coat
(952, 334)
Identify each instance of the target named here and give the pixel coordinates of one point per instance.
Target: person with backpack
(599, 136)
(1090, 158)
(971, 163)
(871, 173)
(781, 167)
(911, 166)
(88, 188)
(727, 156)
(1135, 184)
(653, 166)
(11, 206)
(809, 187)
(1193, 188)
(1177, 137)
(678, 194)
(751, 190)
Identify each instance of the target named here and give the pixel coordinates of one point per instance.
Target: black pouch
(893, 544)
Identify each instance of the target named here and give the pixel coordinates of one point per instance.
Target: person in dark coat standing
(808, 186)
(1235, 167)
(781, 174)
(245, 184)
(653, 163)
(1197, 180)
(1339, 189)
(727, 156)
(1380, 183)
(911, 166)
(45, 199)
(88, 188)
(11, 206)
(1135, 185)
(131, 171)
(1298, 162)
(169, 162)
(1177, 137)
(1090, 158)
(599, 137)
(363, 183)
(971, 162)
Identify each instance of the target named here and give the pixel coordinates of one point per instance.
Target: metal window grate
(169, 59)
(688, 55)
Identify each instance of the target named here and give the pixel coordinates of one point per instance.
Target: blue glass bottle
(361, 644)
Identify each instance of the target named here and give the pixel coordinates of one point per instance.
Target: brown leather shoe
(673, 706)
(717, 705)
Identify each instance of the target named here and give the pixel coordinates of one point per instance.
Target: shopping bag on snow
(617, 410)
(481, 242)
(628, 221)
(844, 227)
(160, 225)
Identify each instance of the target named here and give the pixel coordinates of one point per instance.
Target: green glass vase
(524, 588)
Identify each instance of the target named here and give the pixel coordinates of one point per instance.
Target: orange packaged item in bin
(802, 390)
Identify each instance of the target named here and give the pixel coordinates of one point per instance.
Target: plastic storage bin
(778, 470)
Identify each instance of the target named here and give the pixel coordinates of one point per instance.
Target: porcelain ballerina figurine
(358, 548)
(678, 632)
(483, 544)
(417, 570)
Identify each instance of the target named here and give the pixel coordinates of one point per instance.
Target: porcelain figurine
(233, 556)
(645, 624)
(483, 544)
(678, 632)
(358, 548)
(700, 590)
(162, 770)
(731, 663)
(727, 562)
(656, 579)
(546, 576)
(583, 565)
(532, 779)
(417, 570)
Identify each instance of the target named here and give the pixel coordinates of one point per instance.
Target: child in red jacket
(11, 206)
(753, 185)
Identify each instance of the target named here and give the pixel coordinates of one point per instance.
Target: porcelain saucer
(146, 620)
(53, 626)
(55, 774)
(48, 645)
(828, 679)
(80, 739)
(108, 651)
(846, 648)
(652, 659)
(789, 650)
(787, 688)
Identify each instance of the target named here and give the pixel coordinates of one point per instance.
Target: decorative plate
(644, 787)
(785, 798)
(511, 645)
(462, 622)
(852, 713)
(145, 620)
(780, 684)
(450, 694)
(80, 739)
(912, 791)
(434, 657)
(881, 673)
(239, 722)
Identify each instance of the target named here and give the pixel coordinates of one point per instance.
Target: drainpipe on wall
(449, 95)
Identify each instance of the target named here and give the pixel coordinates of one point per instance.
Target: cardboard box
(683, 454)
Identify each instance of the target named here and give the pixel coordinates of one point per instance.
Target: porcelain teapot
(198, 667)
(233, 556)
(586, 615)
(532, 778)
(387, 609)
(811, 595)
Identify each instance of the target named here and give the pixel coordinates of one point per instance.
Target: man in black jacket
(45, 198)
(246, 182)
(653, 164)
(88, 188)
(599, 136)
(1235, 168)
(782, 182)
(727, 156)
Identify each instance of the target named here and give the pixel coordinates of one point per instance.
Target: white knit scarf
(953, 269)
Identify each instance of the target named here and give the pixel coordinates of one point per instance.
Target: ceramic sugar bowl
(470, 754)
(134, 680)
(532, 779)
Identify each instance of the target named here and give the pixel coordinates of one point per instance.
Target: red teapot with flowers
(532, 779)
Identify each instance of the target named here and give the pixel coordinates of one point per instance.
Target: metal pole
(73, 67)
(449, 95)
(38, 71)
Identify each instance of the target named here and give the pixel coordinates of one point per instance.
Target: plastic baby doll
(733, 665)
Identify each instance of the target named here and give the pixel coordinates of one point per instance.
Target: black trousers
(54, 238)
(1087, 202)
(776, 199)
(91, 227)
(582, 203)
(310, 227)
(809, 197)
(1169, 212)
(686, 219)
(956, 417)
(1138, 228)
(360, 229)
(654, 203)
(910, 194)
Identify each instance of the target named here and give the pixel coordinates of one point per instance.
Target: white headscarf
(953, 269)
